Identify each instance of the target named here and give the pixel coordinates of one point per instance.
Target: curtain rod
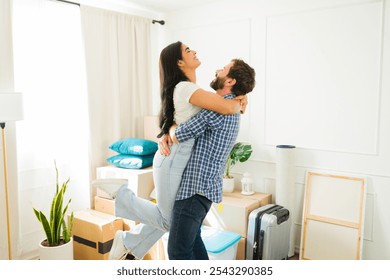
(68, 2)
(162, 22)
(158, 21)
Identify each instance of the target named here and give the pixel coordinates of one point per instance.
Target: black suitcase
(268, 236)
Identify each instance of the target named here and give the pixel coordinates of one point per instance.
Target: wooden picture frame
(333, 216)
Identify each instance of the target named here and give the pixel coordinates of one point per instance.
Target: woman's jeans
(185, 242)
(154, 218)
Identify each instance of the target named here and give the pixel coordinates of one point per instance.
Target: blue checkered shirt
(215, 136)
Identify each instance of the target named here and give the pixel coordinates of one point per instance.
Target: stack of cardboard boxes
(94, 230)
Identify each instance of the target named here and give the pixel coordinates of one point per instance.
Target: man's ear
(231, 82)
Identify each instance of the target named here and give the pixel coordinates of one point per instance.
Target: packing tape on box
(103, 248)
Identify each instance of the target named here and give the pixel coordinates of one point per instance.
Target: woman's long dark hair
(170, 76)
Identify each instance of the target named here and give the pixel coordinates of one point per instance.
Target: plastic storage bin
(220, 244)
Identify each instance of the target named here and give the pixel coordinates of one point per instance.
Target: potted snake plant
(58, 244)
(240, 152)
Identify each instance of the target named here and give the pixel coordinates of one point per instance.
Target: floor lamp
(11, 109)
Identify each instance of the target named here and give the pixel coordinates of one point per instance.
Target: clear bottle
(247, 184)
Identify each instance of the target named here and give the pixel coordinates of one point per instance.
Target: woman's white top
(184, 110)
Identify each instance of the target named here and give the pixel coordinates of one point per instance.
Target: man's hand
(243, 102)
(164, 143)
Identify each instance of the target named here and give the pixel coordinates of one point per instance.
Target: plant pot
(61, 252)
(228, 185)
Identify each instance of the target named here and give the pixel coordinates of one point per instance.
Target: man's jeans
(185, 242)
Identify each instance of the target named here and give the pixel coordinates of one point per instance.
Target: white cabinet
(139, 180)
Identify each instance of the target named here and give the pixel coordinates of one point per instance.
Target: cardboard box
(231, 214)
(241, 249)
(263, 198)
(139, 180)
(105, 205)
(93, 233)
(128, 224)
(108, 187)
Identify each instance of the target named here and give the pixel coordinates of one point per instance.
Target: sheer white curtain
(118, 50)
(7, 85)
(50, 71)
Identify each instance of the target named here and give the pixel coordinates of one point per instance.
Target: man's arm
(165, 141)
(197, 125)
(192, 128)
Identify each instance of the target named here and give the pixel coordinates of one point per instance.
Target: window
(49, 70)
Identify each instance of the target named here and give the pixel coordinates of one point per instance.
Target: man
(201, 183)
(181, 98)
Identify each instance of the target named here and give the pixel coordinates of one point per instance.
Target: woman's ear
(180, 62)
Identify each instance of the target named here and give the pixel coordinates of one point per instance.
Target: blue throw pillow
(131, 161)
(134, 146)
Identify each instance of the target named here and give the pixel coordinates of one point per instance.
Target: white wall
(321, 68)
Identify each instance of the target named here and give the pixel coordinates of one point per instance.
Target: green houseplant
(57, 231)
(240, 152)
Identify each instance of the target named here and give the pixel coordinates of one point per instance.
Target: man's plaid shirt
(215, 136)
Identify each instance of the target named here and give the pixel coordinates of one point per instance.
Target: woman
(181, 99)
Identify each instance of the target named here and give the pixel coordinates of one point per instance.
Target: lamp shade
(11, 106)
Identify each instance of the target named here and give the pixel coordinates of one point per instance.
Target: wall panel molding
(323, 78)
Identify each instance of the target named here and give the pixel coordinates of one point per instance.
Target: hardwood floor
(295, 257)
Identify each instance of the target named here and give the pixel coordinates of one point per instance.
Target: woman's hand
(243, 102)
(172, 134)
(164, 143)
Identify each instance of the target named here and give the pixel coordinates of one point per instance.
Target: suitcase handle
(282, 215)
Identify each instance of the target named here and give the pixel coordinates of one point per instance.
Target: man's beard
(217, 83)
